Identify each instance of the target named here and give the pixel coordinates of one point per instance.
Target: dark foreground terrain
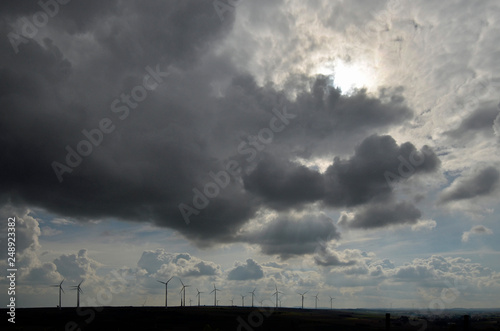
(238, 318)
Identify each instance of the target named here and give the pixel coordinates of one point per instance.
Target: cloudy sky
(346, 148)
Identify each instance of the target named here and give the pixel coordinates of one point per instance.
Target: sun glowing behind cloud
(349, 76)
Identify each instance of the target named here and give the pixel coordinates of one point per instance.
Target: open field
(241, 318)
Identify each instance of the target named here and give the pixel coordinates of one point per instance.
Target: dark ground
(238, 318)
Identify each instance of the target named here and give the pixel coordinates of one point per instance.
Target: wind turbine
(166, 289)
(243, 300)
(277, 295)
(316, 305)
(190, 302)
(198, 295)
(183, 289)
(331, 302)
(60, 289)
(232, 301)
(215, 295)
(78, 291)
(261, 302)
(253, 294)
(302, 295)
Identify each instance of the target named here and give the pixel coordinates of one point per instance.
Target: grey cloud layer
(289, 235)
(249, 270)
(380, 215)
(182, 130)
(481, 183)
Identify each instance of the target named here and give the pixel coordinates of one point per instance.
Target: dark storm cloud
(364, 177)
(247, 271)
(381, 215)
(285, 183)
(167, 146)
(482, 183)
(480, 120)
(74, 12)
(40, 121)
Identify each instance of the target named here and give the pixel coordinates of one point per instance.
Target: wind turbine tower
(215, 295)
(277, 295)
(60, 289)
(302, 295)
(78, 291)
(198, 295)
(166, 289)
(243, 300)
(183, 290)
(316, 304)
(331, 302)
(253, 294)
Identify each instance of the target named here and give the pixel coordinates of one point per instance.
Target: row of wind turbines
(78, 290)
(214, 291)
(315, 300)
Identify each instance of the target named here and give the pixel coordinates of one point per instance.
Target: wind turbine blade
(63, 290)
(170, 279)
